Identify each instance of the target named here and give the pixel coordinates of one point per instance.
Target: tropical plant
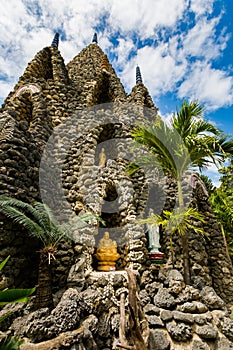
(12, 296)
(176, 222)
(221, 200)
(40, 223)
(222, 205)
(208, 183)
(186, 142)
(11, 343)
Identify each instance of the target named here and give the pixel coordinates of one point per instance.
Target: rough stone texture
(164, 299)
(49, 96)
(212, 300)
(206, 332)
(158, 340)
(179, 331)
(95, 310)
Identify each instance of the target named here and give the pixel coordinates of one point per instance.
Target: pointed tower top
(138, 75)
(55, 40)
(94, 40)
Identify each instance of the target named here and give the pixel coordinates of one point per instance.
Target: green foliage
(40, 223)
(11, 343)
(188, 141)
(221, 200)
(208, 183)
(3, 263)
(178, 221)
(38, 220)
(13, 295)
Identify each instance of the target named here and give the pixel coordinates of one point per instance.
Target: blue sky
(183, 47)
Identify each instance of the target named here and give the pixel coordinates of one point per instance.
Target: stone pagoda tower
(65, 140)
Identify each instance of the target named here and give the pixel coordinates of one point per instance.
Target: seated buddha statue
(106, 253)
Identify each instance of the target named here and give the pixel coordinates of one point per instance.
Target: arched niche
(23, 99)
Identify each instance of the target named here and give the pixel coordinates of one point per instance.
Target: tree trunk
(187, 278)
(44, 296)
(184, 240)
(139, 325)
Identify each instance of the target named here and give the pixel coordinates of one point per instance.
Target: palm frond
(183, 120)
(22, 219)
(39, 212)
(178, 221)
(165, 146)
(44, 216)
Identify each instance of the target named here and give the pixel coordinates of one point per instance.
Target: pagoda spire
(94, 40)
(55, 40)
(138, 75)
(105, 63)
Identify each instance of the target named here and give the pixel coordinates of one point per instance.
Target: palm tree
(222, 205)
(40, 223)
(187, 142)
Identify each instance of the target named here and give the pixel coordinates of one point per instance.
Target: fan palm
(39, 222)
(187, 142)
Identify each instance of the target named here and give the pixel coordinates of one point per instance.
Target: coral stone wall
(49, 96)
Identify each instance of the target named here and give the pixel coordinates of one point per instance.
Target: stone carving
(29, 88)
(102, 157)
(154, 236)
(7, 125)
(153, 232)
(106, 253)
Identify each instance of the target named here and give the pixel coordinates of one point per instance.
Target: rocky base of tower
(176, 316)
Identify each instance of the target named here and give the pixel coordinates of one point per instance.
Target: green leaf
(15, 295)
(11, 343)
(4, 262)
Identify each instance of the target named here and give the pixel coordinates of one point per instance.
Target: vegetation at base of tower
(12, 296)
(40, 223)
(11, 343)
(221, 200)
(188, 141)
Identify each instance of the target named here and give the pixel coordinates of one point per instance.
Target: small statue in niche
(153, 233)
(102, 157)
(154, 236)
(106, 253)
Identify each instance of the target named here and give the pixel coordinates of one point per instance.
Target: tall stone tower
(84, 96)
(65, 139)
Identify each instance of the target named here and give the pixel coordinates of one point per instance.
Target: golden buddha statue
(106, 253)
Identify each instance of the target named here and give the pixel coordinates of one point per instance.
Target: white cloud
(159, 69)
(200, 41)
(26, 26)
(209, 85)
(144, 16)
(5, 86)
(200, 7)
(122, 50)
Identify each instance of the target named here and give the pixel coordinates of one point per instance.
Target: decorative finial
(94, 40)
(55, 40)
(104, 64)
(138, 75)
